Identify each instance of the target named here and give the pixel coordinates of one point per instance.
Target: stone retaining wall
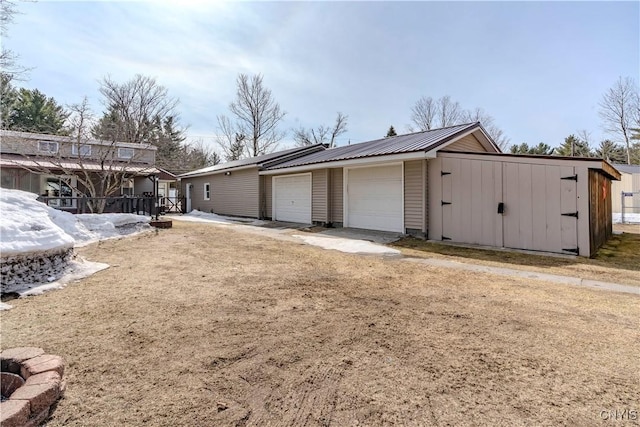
(32, 268)
(33, 383)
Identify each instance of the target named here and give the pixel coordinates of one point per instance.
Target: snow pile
(28, 227)
(347, 245)
(629, 218)
(37, 241)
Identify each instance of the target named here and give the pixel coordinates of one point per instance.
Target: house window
(82, 150)
(125, 153)
(207, 191)
(48, 147)
(60, 191)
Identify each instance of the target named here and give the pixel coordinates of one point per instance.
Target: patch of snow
(631, 218)
(199, 216)
(352, 246)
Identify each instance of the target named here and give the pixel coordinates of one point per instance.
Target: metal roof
(13, 135)
(418, 141)
(627, 168)
(254, 161)
(34, 163)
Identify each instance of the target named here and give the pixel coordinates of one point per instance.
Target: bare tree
(619, 109)
(9, 67)
(322, 134)
(132, 107)
(423, 113)
(488, 123)
(428, 113)
(232, 142)
(257, 115)
(448, 112)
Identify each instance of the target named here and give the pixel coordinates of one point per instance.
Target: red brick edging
(30, 403)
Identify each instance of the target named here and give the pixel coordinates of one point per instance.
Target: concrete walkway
(553, 278)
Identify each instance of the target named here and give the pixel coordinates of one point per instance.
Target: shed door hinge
(446, 238)
(444, 203)
(443, 173)
(571, 178)
(574, 250)
(573, 214)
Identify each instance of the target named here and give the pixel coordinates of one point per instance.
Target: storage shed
(539, 203)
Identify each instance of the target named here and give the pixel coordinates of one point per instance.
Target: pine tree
(391, 132)
(611, 151)
(573, 147)
(33, 111)
(541, 149)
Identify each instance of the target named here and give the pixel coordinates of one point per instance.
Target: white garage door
(292, 198)
(374, 198)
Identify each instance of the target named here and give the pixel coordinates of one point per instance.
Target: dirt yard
(204, 325)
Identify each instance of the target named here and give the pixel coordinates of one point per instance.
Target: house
(629, 184)
(236, 188)
(449, 184)
(57, 166)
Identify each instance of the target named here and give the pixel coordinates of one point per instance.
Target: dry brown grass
(617, 261)
(287, 334)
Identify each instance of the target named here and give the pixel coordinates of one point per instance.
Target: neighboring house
(630, 184)
(51, 165)
(236, 188)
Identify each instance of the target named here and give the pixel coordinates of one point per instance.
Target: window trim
(133, 153)
(49, 144)
(77, 148)
(206, 191)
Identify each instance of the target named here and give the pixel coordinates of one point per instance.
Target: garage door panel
(292, 198)
(374, 198)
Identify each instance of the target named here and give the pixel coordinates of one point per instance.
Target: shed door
(471, 192)
(540, 207)
(374, 198)
(292, 198)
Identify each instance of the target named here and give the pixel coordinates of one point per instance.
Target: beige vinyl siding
(414, 195)
(267, 196)
(197, 193)
(468, 143)
(628, 183)
(336, 201)
(235, 194)
(319, 195)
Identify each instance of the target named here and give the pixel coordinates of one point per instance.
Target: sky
(538, 68)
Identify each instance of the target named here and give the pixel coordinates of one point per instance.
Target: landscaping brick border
(30, 404)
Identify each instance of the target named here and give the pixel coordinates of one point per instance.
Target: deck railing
(149, 206)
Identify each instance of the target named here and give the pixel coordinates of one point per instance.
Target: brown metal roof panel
(419, 141)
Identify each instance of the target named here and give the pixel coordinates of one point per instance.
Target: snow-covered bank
(629, 218)
(37, 241)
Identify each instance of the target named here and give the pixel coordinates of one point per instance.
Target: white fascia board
(364, 161)
(215, 172)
